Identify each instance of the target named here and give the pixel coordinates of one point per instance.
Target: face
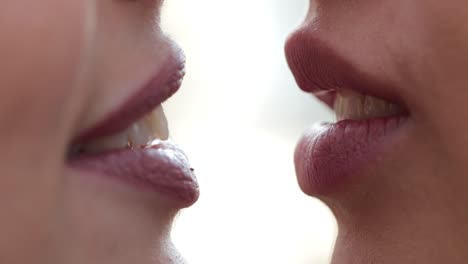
(393, 168)
(88, 175)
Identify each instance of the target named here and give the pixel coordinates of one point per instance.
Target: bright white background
(238, 116)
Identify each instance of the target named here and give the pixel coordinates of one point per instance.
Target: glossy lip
(329, 155)
(161, 167)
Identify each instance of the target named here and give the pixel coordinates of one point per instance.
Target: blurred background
(238, 116)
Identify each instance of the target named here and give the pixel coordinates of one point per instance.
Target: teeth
(355, 106)
(140, 134)
(158, 123)
(111, 142)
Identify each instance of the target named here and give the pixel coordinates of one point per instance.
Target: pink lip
(162, 168)
(165, 83)
(330, 155)
(317, 67)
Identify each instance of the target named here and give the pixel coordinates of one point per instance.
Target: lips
(132, 144)
(370, 115)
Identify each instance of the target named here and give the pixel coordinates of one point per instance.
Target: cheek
(43, 53)
(420, 47)
(441, 88)
(42, 47)
(432, 64)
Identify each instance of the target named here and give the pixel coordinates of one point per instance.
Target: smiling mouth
(132, 144)
(370, 116)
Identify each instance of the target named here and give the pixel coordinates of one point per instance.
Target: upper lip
(320, 69)
(163, 85)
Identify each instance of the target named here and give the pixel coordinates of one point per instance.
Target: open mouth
(329, 154)
(146, 132)
(351, 105)
(370, 116)
(133, 144)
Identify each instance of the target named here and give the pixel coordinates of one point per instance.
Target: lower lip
(162, 168)
(330, 155)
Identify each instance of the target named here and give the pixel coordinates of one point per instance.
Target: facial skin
(65, 65)
(410, 205)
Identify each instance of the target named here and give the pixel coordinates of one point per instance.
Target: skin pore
(410, 205)
(65, 65)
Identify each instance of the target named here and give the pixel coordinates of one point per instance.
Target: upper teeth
(140, 134)
(355, 106)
